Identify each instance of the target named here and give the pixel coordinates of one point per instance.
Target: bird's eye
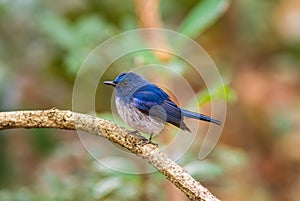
(125, 83)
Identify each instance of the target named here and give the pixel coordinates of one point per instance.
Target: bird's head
(128, 81)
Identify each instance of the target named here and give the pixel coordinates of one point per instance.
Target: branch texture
(65, 119)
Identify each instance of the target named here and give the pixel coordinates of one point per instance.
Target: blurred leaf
(129, 193)
(58, 29)
(129, 23)
(6, 167)
(3, 8)
(89, 31)
(230, 157)
(54, 183)
(62, 188)
(106, 186)
(203, 15)
(23, 194)
(255, 33)
(78, 39)
(74, 59)
(204, 170)
(119, 163)
(203, 97)
(5, 195)
(146, 56)
(282, 124)
(92, 29)
(4, 82)
(217, 93)
(43, 141)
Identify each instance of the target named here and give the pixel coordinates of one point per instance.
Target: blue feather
(202, 117)
(150, 95)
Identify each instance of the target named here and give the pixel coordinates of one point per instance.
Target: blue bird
(146, 108)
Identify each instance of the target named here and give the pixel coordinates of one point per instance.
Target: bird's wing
(150, 95)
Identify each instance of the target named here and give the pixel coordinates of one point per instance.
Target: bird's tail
(202, 117)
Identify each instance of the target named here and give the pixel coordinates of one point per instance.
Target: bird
(147, 108)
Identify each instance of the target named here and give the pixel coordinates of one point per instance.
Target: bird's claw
(143, 140)
(147, 141)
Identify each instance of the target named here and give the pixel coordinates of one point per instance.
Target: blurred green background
(255, 45)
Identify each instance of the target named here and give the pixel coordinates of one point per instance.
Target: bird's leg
(143, 139)
(148, 141)
(150, 138)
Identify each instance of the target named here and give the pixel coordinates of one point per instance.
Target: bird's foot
(143, 140)
(147, 141)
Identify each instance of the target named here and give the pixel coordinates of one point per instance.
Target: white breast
(137, 120)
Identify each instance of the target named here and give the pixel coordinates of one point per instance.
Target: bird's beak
(112, 83)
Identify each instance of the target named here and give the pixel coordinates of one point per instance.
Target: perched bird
(146, 108)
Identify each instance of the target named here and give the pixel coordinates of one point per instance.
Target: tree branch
(64, 119)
